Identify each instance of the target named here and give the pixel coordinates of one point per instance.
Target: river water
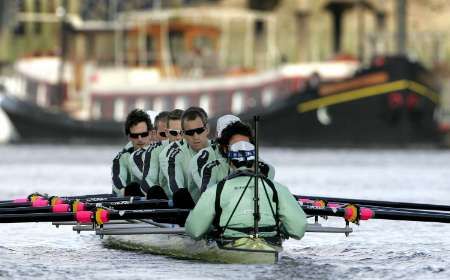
(376, 250)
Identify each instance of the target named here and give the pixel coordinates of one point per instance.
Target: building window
(237, 102)
(37, 25)
(181, 102)
(205, 103)
(19, 28)
(141, 104)
(97, 110)
(158, 104)
(41, 95)
(119, 109)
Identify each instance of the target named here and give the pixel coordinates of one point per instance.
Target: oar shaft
(342, 205)
(15, 204)
(37, 217)
(66, 200)
(88, 196)
(379, 214)
(408, 216)
(365, 202)
(24, 210)
(157, 215)
(138, 204)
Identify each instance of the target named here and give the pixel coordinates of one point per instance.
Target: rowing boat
(125, 223)
(170, 240)
(173, 242)
(182, 247)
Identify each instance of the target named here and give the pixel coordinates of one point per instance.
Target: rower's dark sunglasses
(174, 132)
(191, 132)
(163, 134)
(136, 135)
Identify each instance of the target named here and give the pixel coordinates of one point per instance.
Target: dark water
(376, 250)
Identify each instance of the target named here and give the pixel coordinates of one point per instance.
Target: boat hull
(36, 124)
(390, 105)
(183, 247)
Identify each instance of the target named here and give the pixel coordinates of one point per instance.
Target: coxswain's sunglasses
(191, 132)
(162, 134)
(136, 135)
(174, 132)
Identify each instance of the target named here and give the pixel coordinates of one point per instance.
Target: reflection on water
(376, 250)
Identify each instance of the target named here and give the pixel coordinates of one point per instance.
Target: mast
(401, 27)
(62, 13)
(256, 214)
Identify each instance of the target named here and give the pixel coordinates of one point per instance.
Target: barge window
(267, 97)
(181, 102)
(158, 105)
(119, 109)
(237, 102)
(141, 104)
(97, 110)
(205, 104)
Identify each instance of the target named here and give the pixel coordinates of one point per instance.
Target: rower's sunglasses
(136, 135)
(175, 132)
(191, 132)
(162, 134)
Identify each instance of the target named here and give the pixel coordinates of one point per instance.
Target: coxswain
(227, 211)
(219, 167)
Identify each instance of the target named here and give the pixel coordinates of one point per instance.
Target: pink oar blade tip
(40, 202)
(61, 208)
(80, 206)
(57, 201)
(21, 200)
(84, 217)
(366, 213)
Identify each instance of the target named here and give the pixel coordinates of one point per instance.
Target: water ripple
(376, 250)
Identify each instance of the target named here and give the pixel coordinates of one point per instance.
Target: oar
(176, 215)
(353, 214)
(393, 204)
(100, 216)
(30, 197)
(320, 203)
(39, 202)
(127, 204)
(45, 217)
(60, 208)
(87, 196)
(77, 205)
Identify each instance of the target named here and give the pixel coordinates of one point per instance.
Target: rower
(137, 128)
(219, 167)
(227, 211)
(210, 155)
(137, 158)
(161, 126)
(176, 163)
(154, 184)
(153, 115)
